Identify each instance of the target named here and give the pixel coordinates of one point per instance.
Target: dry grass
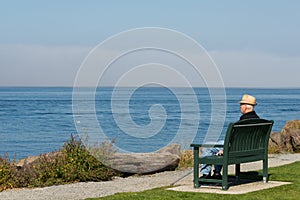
(186, 159)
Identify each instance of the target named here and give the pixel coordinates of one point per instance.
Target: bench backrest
(247, 137)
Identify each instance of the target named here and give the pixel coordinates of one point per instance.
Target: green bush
(6, 174)
(73, 163)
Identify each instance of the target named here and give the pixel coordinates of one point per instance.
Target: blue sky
(253, 43)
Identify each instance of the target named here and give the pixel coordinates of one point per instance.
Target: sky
(253, 43)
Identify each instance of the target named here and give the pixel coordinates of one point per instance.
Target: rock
(290, 133)
(172, 149)
(30, 160)
(290, 125)
(276, 142)
(295, 140)
(145, 163)
(26, 161)
(288, 140)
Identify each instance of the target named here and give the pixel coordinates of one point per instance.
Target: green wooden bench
(245, 141)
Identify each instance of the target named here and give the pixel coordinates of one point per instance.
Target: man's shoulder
(249, 115)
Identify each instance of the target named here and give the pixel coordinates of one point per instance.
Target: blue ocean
(35, 120)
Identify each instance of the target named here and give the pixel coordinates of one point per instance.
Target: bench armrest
(207, 145)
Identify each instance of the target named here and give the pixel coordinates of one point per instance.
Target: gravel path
(94, 189)
(129, 184)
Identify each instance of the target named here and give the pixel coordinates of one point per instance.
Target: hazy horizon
(253, 44)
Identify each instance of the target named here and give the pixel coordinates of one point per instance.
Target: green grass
(289, 173)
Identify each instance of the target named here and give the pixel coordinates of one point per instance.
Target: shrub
(274, 150)
(104, 152)
(6, 174)
(73, 163)
(186, 159)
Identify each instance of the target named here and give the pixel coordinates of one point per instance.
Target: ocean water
(35, 120)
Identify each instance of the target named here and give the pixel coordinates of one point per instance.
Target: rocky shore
(130, 184)
(286, 142)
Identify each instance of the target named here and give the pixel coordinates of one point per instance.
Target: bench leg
(196, 167)
(225, 178)
(237, 172)
(265, 170)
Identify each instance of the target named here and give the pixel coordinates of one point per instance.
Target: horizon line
(153, 86)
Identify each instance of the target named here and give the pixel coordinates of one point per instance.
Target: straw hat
(248, 99)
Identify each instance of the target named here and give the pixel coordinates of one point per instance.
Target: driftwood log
(145, 163)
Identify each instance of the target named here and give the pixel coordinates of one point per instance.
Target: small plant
(186, 159)
(104, 152)
(73, 163)
(6, 174)
(274, 150)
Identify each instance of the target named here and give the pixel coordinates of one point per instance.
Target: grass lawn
(289, 173)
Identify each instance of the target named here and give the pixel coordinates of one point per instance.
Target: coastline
(84, 190)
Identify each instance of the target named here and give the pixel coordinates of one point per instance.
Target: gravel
(95, 189)
(78, 191)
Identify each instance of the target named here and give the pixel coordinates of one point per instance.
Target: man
(247, 105)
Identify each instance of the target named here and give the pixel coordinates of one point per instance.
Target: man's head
(247, 103)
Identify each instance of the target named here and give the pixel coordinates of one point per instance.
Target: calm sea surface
(35, 120)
